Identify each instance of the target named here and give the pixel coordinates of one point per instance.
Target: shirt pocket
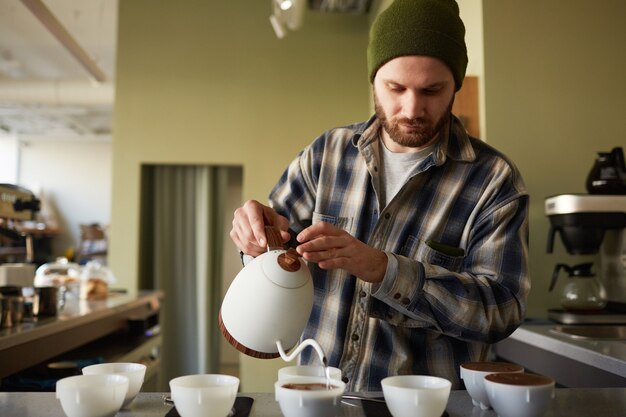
(344, 223)
(327, 282)
(419, 250)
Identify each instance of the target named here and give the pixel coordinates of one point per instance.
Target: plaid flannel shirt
(456, 239)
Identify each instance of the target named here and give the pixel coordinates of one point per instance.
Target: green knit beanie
(419, 27)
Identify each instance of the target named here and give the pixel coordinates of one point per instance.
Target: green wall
(208, 82)
(555, 94)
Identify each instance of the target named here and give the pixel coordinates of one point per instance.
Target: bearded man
(416, 234)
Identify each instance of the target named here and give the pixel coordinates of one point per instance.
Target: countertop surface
(608, 355)
(78, 323)
(605, 402)
(76, 313)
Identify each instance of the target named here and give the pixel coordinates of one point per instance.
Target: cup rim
(543, 380)
(392, 382)
(134, 367)
(215, 380)
(108, 380)
(464, 367)
(339, 386)
(307, 367)
(284, 372)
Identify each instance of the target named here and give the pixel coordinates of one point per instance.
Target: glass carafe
(583, 291)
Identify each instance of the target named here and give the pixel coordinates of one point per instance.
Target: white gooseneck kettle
(269, 303)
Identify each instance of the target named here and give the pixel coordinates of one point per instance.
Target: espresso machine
(16, 204)
(594, 224)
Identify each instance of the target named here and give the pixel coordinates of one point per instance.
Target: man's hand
(249, 223)
(331, 247)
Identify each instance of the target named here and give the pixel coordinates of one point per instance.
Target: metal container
(46, 301)
(11, 311)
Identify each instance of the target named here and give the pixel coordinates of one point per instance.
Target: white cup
(416, 395)
(91, 395)
(519, 394)
(297, 401)
(204, 395)
(473, 376)
(308, 370)
(134, 371)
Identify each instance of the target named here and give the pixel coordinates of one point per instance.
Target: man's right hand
(249, 223)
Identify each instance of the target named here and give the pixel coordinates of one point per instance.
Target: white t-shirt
(397, 168)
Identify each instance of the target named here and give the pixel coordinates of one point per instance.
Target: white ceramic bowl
(204, 395)
(309, 403)
(473, 376)
(134, 371)
(519, 394)
(92, 395)
(308, 370)
(416, 395)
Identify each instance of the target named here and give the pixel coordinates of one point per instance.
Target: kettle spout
(288, 357)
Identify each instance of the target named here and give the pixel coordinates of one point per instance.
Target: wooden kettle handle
(274, 240)
(289, 260)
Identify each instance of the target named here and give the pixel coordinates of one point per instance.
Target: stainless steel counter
(572, 362)
(79, 323)
(605, 402)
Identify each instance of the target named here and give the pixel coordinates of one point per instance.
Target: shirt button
(387, 216)
(345, 379)
(397, 295)
(375, 169)
(362, 293)
(355, 337)
(405, 301)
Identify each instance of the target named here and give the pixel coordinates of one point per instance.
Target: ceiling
(48, 89)
(45, 90)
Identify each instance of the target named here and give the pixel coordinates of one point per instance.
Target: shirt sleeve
(484, 301)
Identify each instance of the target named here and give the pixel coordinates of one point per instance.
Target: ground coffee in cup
(522, 379)
(313, 386)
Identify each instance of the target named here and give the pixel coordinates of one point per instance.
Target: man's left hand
(331, 247)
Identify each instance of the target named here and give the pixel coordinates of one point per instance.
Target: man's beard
(424, 130)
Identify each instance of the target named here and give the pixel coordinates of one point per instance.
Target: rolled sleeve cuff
(402, 284)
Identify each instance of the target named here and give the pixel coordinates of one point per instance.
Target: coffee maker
(16, 204)
(593, 224)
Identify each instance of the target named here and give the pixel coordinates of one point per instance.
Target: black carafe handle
(555, 274)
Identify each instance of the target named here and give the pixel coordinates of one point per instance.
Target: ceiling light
(286, 15)
(285, 4)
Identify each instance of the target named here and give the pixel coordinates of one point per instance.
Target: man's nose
(412, 106)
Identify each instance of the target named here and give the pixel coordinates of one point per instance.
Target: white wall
(472, 15)
(75, 180)
(8, 159)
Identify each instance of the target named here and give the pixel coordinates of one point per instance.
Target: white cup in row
(204, 395)
(103, 389)
(507, 389)
(304, 391)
